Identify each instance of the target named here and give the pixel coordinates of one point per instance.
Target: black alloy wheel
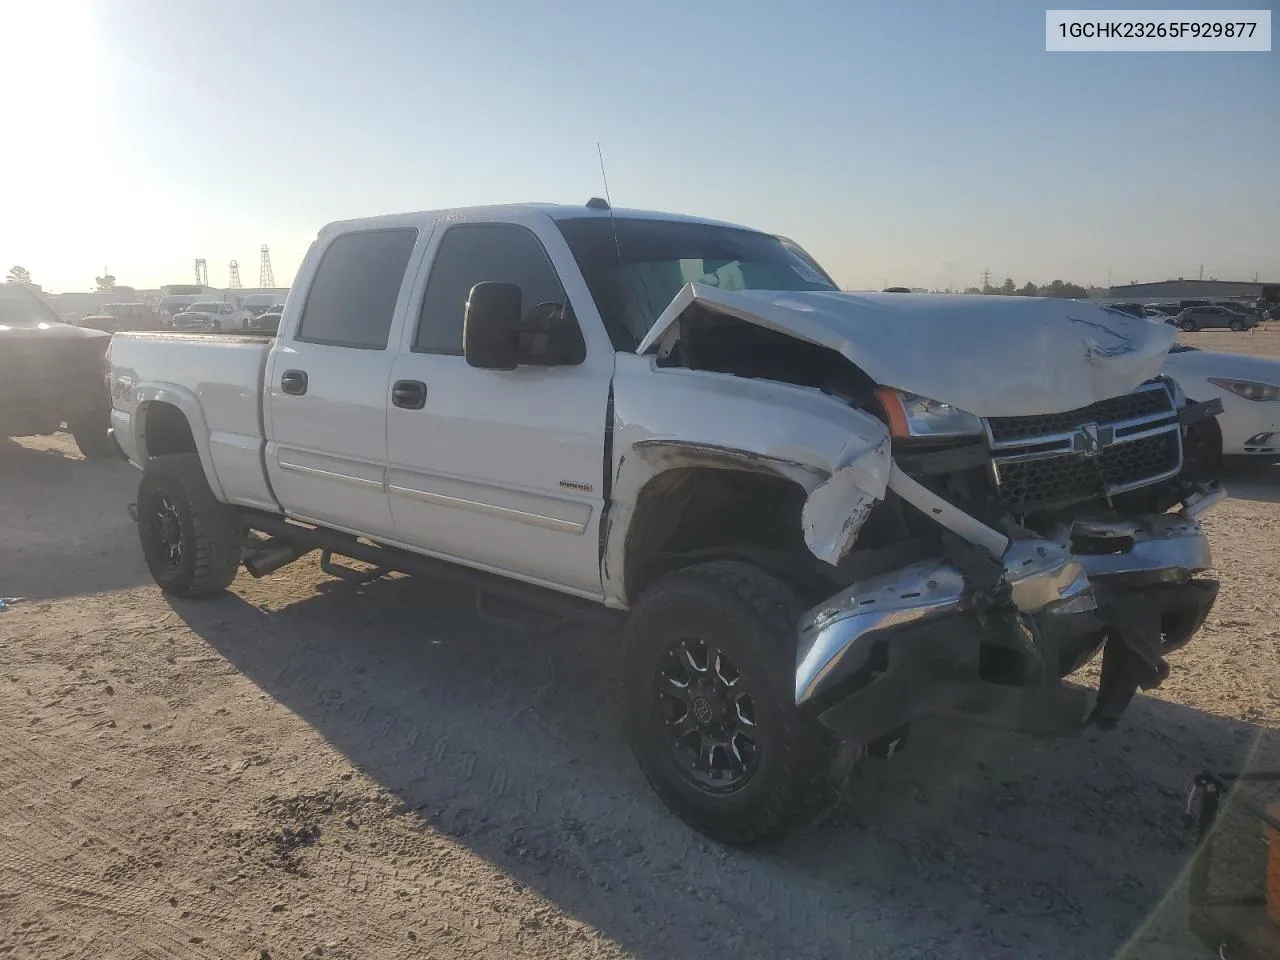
(704, 713)
(165, 530)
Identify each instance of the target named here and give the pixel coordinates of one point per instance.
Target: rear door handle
(294, 382)
(409, 394)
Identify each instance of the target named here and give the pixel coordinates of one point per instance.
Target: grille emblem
(1090, 439)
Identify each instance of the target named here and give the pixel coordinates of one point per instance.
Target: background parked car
(215, 315)
(257, 303)
(1249, 388)
(1241, 307)
(1211, 316)
(115, 317)
(171, 305)
(1133, 309)
(268, 321)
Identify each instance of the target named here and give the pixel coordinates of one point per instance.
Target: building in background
(1197, 290)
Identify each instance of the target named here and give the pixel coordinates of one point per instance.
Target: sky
(912, 144)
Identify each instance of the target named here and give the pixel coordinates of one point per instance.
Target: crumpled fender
(666, 418)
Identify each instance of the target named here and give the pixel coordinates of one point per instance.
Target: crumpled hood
(989, 355)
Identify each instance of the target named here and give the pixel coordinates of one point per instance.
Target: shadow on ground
(1253, 480)
(974, 843)
(96, 552)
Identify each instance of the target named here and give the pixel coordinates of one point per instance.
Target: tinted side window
(353, 295)
(472, 253)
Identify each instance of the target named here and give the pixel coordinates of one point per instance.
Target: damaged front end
(1058, 536)
(1034, 504)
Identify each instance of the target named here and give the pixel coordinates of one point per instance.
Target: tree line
(1058, 288)
(18, 274)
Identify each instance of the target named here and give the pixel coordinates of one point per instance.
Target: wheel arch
(713, 505)
(168, 420)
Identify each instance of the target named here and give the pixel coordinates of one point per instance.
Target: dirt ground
(304, 767)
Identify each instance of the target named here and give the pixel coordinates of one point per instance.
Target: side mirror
(491, 326)
(496, 337)
(550, 337)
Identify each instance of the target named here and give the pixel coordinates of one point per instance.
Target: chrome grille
(1151, 401)
(1053, 460)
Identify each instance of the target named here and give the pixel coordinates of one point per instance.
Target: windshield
(21, 308)
(634, 276)
(204, 307)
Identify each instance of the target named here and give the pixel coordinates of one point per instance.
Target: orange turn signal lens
(891, 400)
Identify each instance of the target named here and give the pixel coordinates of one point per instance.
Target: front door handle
(294, 382)
(409, 394)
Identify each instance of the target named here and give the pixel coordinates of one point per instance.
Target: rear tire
(92, 432)
(706, 648)
(189, 539)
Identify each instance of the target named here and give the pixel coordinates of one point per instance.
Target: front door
(499, 469)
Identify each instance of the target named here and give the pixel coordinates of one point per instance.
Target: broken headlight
(911, 415)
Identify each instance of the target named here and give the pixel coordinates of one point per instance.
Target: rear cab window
(352, 298)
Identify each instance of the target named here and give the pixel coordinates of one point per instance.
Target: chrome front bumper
(839, 639)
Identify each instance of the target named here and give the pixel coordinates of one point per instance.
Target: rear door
(499, 469)
(326, 384)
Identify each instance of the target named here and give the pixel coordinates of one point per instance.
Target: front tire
(710, 703)
(1188, 325)
(92, 433)
(1237, 325)
(189, 539)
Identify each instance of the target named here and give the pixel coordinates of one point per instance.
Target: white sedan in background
(1249, 388)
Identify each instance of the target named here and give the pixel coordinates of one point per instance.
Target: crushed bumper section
(947, 636)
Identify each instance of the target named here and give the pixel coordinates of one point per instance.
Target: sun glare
(57, 91)
(51, 65)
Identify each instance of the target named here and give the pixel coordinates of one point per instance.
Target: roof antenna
(609, 200)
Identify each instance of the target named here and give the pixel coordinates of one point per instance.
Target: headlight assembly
(911, 415)
(1249, 389)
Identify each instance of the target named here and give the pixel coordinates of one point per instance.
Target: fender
(186, 401)
(669, 418)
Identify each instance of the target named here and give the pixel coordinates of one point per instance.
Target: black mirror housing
(496, 337)
(550, 337)
(491, 326)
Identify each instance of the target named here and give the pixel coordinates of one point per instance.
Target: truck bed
(216, 380)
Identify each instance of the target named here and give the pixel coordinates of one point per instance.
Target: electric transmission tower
(234, 267)
(202, 272)
(265, 277)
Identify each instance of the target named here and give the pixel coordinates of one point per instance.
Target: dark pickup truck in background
(51, 374)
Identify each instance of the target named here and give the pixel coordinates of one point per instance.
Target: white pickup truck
(826, 515)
